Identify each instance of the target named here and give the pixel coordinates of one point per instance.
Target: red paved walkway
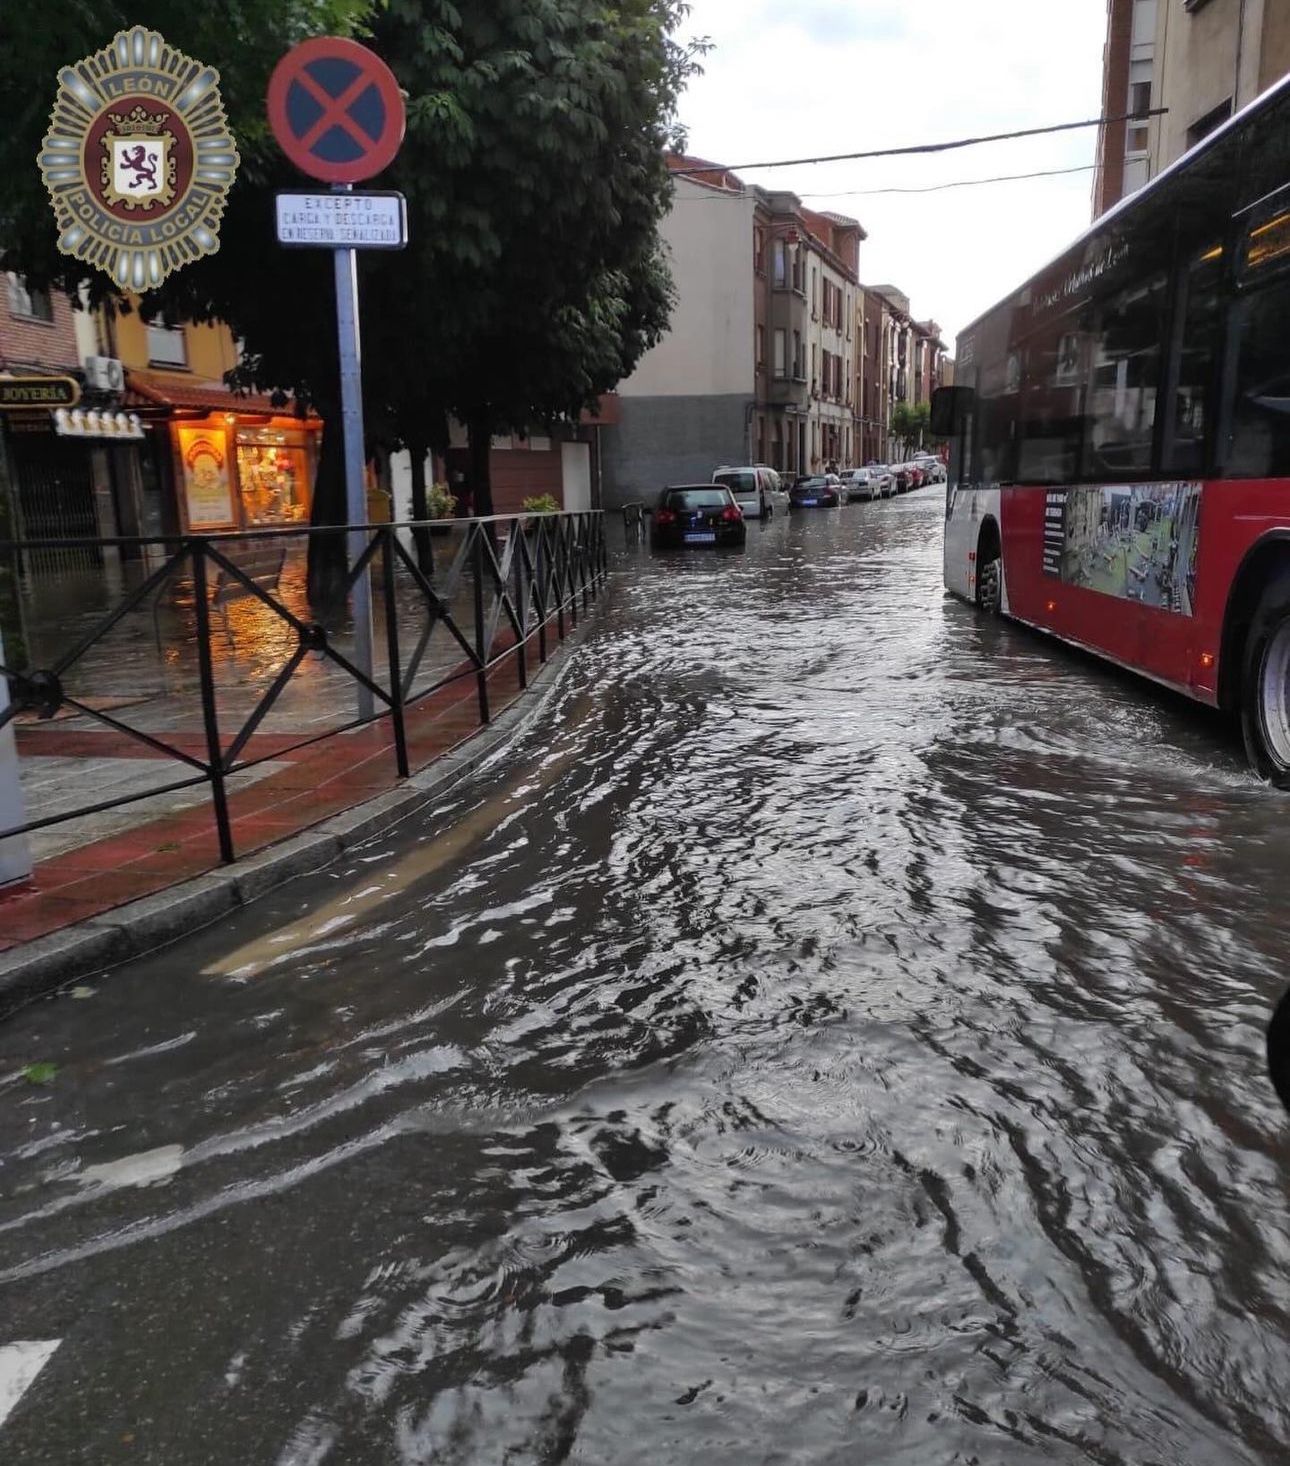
(322, 780)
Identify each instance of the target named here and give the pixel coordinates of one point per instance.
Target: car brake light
(665, 516)
(732, 513)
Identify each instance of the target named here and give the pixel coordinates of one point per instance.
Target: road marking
(19, 1366)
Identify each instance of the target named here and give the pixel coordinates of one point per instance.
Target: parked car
(778, 488)
(819, 490)
(697, 514)
(752, 487)
(932, 467)
(860, 484)
(886, 479)
(901, 473)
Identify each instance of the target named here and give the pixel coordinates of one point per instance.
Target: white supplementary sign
(342, 220)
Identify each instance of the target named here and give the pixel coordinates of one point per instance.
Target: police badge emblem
(138, 160)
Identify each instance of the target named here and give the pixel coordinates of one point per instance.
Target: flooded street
(832, 1034)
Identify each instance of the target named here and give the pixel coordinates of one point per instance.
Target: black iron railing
(500, 585)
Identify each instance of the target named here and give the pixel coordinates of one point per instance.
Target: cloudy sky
(798, 78)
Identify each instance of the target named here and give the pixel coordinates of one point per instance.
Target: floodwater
(832, 1035)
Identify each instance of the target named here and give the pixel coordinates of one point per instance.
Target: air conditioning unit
(105, 373)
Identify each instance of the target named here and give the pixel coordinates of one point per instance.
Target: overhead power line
(855, 193)
(945, 147)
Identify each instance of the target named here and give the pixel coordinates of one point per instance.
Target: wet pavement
(834, 1035)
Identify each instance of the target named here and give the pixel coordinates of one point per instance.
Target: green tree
(535, 180)
(910, 425)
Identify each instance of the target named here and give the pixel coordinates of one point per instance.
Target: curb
(50, 962)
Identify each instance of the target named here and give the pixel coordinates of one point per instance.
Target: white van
(754, 489)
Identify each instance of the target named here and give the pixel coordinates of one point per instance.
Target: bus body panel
(1181, 650)
(969, 509)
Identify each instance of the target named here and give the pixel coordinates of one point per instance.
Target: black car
(819, 490)
(698, 514)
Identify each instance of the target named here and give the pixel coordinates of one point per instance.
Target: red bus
(1120, 430)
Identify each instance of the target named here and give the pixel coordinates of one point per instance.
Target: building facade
(1200, 60)
(760, 362)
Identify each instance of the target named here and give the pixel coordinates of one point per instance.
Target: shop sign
(377, 220)
(138, 159)
(21, 394)
(208, 485)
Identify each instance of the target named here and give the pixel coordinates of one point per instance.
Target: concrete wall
(671, 440)
(1198, 67)
(710, 347)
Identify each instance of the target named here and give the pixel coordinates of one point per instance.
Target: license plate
(811, 502)
(706, 537)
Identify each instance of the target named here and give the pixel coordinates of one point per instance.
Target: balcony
(788, 391)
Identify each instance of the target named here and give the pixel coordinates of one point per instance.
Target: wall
(671, 440)
(25, 342)
(1275, 57)
(1196, 65)
(710, 345)
(211, 350)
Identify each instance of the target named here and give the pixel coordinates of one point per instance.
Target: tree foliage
(535, 178)
(910, 425)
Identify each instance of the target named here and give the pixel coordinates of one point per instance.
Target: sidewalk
(294, 791)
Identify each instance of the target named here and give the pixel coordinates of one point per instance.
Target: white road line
(19, 1366)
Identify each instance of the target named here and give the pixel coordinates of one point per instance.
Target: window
(1120, 413)
(1140, 98)
(1200, 302)
(761, 347)
(781, 351)
(26, 301)
(799, 361)
(781, 263)
(815, 292)
(1203, 126)
(759, 251)
(1138, 140)
(1260, 434)
(166, 344)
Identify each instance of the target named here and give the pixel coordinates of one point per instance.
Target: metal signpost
(337, 113)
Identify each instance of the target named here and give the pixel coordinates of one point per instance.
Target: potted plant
(440, 504)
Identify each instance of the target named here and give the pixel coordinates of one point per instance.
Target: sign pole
(337, 112)
(351, 400)
(15, 857)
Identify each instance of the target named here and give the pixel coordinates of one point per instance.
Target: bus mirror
(950, 406)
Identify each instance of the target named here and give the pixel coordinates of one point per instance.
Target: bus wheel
(1265, 687)
(989, 587)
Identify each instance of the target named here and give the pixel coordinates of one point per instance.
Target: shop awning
(195, 394)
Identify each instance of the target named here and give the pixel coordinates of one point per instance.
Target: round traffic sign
(336, 109)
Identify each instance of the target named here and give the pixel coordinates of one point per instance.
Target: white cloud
(799, 78)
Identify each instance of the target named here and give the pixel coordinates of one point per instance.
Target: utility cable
(855, 193)
(945, 147)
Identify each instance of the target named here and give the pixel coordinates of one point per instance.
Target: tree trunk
(479, 430)
(328, 557)
(421, 507)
